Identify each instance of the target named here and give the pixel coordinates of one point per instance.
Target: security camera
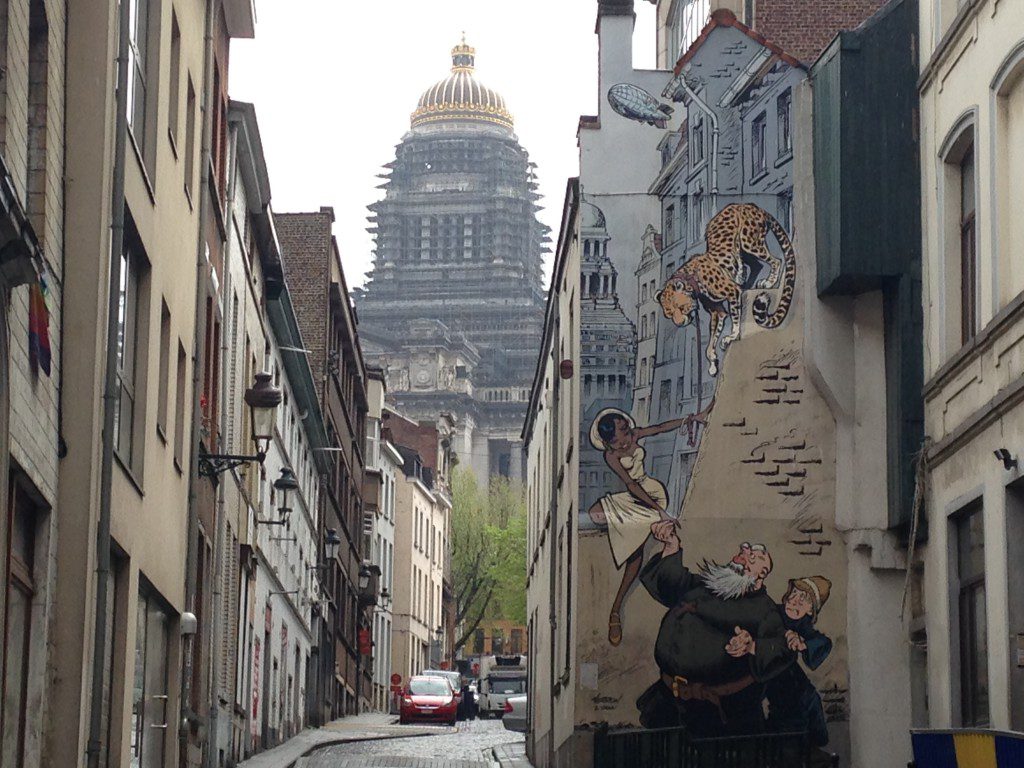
(1009, 462)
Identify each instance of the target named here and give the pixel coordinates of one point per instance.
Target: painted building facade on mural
(702, 571)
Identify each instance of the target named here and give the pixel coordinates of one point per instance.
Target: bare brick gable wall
(306, 252)
(803, 28)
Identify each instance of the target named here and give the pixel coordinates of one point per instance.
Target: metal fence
(674, 748)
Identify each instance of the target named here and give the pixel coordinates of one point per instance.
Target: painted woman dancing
(628, 515)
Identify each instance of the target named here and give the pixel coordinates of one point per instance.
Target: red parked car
(430, 699)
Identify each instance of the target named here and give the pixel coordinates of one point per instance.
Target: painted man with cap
(721, 641)
(794, 704)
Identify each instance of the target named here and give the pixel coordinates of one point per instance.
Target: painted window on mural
(697, 141)
(970, 544)
(784, 106)
(758, 133)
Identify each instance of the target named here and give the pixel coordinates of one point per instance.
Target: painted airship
(637, 104)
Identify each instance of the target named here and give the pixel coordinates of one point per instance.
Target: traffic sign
(396, 679)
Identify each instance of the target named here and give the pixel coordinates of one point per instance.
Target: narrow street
(467, 746)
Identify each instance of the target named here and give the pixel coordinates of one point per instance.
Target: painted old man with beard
(720, 641)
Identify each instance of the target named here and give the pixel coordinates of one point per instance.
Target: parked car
(428, 699)
(455, 678)
(515, 714)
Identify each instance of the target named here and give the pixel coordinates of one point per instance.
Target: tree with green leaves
(488, 552)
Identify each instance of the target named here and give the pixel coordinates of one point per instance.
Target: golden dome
(460, 97)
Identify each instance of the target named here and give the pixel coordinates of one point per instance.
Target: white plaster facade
(972, 104)
(384, 459)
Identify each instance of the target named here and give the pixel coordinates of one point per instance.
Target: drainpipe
(110, 395)
(198, 353)
(703, 106)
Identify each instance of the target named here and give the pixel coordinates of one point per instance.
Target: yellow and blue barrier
(964, 748)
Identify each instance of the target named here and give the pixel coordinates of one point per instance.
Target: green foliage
(488, 551)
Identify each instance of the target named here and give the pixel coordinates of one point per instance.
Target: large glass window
(138, 52)
(970, 544)
(127, 342)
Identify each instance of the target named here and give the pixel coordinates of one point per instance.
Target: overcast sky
(334, 83)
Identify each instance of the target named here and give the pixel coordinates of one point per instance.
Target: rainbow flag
(39, 326)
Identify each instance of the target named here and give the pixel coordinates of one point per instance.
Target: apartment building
(327, 321)
(383, 463)
(144, 176)
(32, 262)
(421, 637)
(967, 620)
(749, 418)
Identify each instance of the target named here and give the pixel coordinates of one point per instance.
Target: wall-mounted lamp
(1009, 462)
(331, 543)
(285, 483)
(262, 398)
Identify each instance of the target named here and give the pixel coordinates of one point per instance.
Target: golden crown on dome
(460, 97)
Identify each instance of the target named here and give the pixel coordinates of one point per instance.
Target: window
(21, 520)
(165, 369)
(696, 225)
(128, 349)
(38, 103)
(968, 249)
(785, 216)
(670, 223)
(190, 137)
(150, 704)
(664, 397)
(757, 153)
(142, 70)
(697, 141)
(970, 545)
(179, 407)
(784, 107)
(174, 97)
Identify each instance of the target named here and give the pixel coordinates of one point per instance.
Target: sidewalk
(512, 755)
(365, 727)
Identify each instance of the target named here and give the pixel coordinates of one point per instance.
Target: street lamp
(285, 483)
(262, 398)
(364, 578)
(331, 545)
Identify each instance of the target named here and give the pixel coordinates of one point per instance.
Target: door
(150, 699)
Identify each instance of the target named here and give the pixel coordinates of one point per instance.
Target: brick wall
(803, 28)
(306, 251)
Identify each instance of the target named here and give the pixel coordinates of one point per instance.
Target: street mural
(706, 465)
(635, 103)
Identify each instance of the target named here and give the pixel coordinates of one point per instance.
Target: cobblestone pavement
(468, 747)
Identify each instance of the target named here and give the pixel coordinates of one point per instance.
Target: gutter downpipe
(198, 353)
(220, 523)
(110, 394)
(703, 106)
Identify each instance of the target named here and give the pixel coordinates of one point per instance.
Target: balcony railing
(657, 748)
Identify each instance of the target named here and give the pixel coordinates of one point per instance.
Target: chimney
(615, 21)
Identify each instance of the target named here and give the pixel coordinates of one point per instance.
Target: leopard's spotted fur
(715, 278)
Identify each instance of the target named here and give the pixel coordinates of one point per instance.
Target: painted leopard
(715, 278)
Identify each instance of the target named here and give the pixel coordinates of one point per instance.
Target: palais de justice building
(453, 307)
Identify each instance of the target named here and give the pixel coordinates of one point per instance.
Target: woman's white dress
(629, 520)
